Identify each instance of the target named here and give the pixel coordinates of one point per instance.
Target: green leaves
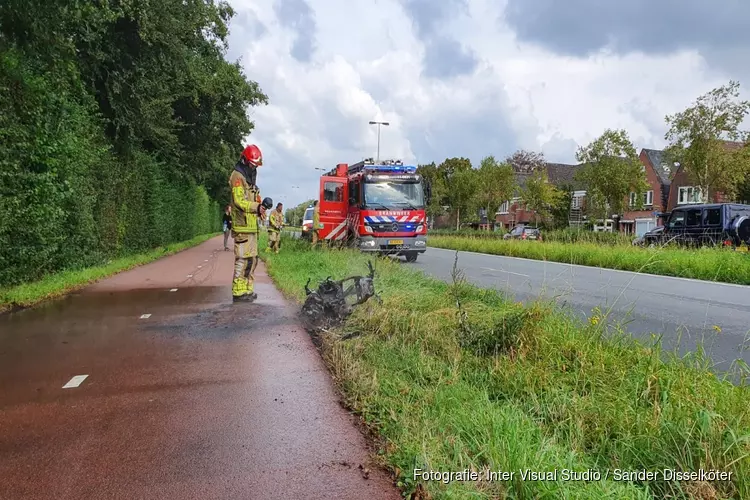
(120, 122)
(611, 171)
(698, 141)
(496, 184)
(540, 195)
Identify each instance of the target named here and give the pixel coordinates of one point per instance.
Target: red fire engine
(375, 207)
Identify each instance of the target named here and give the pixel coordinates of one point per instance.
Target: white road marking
(189, 275)
(145, 316)
(200, 267)
(173, 290)
(75, 381)
(205, 260)
(504, 271)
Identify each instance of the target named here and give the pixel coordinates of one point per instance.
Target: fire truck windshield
(394, 195)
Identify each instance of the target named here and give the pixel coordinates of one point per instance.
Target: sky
(472, 78)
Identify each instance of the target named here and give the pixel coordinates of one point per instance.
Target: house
(684, 192)
(514, 211)
(669, 187)
(655, 200)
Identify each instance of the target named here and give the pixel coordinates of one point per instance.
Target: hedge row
(119, 123)
(66, 200)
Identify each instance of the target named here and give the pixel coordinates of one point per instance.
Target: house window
(648, 198)
(333, 191)
(576, 202)
(632, 199)
(504, 208)
(689, 194)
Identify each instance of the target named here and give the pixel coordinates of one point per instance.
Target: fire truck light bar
(409, 169)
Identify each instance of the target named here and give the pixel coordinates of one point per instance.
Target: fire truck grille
(394, 227)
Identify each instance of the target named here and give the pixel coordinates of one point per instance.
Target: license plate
(395, 242)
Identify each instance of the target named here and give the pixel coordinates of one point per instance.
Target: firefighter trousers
(245, 262)
(274, 240)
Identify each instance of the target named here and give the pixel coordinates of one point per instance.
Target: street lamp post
(379, 124)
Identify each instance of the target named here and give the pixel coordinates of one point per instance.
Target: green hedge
(119, 122)
(66, 200)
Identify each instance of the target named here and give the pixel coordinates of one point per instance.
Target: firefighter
(316, 223)
(246, 212)
(275, 224)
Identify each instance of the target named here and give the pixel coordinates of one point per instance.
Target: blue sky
(472, 77)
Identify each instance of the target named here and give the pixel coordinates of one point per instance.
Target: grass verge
(712, 264)
(58, 284)
(453, 377)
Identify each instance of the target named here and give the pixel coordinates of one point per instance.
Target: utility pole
(379, 124)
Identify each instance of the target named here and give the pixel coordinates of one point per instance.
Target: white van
(307, 222)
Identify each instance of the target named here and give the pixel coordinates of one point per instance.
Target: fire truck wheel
(411, 256)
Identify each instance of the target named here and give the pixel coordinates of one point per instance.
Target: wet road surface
(201, 399)
(686, 312)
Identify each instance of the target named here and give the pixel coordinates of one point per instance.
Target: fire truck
(376, 207)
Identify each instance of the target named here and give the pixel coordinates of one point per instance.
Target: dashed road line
(75, 382)
(145, 316)
(173, 290)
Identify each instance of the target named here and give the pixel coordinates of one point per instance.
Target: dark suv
(695, 225)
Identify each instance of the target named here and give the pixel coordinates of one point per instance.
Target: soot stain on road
(223, 322)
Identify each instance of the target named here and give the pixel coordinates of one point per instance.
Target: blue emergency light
(408, 169)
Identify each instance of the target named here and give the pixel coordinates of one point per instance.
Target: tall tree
(496, 184)
(433, 177)
(540, 195)
(698, 136)
(560, 211)
(459, 184)
(118, 117)
(611, 171)
(525, 162)
(463, 190)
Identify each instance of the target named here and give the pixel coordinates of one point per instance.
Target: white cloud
(367, 62)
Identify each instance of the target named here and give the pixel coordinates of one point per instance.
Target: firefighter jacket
(276, 221)
(316, 219)
(245, 201)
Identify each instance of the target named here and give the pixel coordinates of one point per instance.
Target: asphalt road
(201, 399)
(683, 311)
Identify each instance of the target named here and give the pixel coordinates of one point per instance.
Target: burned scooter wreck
(334, 300)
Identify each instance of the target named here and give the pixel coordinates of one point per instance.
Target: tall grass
(713, 264)
(454, 377)
(568, 235)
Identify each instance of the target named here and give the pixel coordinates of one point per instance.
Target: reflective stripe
(336, 230)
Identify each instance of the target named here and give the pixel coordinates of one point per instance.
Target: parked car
(652, 237)
(524, 233)
(719, 223)
(307, 221)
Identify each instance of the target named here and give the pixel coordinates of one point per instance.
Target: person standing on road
(246, 212)
(275, 225)
(316, 226)
(227, 223)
